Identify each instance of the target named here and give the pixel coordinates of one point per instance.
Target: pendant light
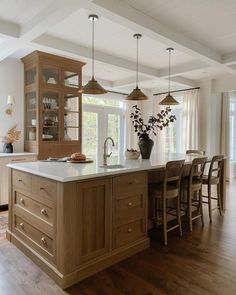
(169, 99)
(137, 94)
(93, 87)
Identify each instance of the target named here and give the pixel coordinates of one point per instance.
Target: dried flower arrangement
(12, 135)
(160, 121)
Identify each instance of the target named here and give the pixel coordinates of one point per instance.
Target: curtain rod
(115, 92)
(187, 89)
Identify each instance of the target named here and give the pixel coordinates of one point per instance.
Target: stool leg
(190, 210)
(219, 199)
(164, 221)
(179, 215)
(201, 207)
(209, 202)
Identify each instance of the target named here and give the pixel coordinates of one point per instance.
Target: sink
(116, 166)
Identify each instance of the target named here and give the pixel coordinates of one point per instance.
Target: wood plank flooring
(203, 262)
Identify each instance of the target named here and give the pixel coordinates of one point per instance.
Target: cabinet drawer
(129, 209)
(22, 180)
(128, 233)
(44, 187)
(35, 238)
(36, 208)
(129, 183)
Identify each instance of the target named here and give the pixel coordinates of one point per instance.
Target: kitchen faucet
(105, 155)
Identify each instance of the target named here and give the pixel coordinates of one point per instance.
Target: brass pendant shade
(137, 94)
(93, 87)
(169, 99)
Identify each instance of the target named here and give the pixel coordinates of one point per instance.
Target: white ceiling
(211, 22)
(203, 33)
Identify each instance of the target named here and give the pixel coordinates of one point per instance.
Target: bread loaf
(78, 157)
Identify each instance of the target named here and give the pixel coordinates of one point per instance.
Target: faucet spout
(105, 154)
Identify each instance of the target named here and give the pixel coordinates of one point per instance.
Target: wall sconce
(10, 102)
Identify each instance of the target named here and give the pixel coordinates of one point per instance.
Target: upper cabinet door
(71, 78)
(50, 75)
(30, 76)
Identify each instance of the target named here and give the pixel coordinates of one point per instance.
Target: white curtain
(225, 130)
(190, 121)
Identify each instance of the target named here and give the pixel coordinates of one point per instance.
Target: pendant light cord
(137, 65)
(169, 70)
(93, 49)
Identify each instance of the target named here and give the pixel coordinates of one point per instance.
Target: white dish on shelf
(47, 136)
(67, 108)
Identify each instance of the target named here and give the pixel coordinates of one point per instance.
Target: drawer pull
(20, 180)
(42, 188)
(44, 212)
(22, 201)
(17, 160)
(43, 241)
(129, 230)
(22, 225)
(130, 204)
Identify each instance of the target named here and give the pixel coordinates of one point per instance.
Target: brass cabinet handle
(44, 212)
(20, 180)
(43, 240)
(129, 230)
(19, 159)
(22, 225)
(22, 201)
(130, 204)
(42, 188)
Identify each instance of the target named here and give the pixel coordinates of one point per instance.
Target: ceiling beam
(122, 13)
(9, 29)
(229, 59)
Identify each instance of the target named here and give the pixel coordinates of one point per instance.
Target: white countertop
(5, 155)
(65, 172)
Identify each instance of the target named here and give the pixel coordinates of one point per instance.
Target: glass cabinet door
(50, 75)
(71, 117)
(71, 79)
(30, 76)
(31, 119)
(50, 116)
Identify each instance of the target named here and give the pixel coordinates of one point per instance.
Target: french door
(99, 123)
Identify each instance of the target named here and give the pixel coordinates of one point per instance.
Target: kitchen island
(74, 220)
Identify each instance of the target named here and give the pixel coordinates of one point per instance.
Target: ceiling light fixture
(137, 94)
(93, 87)
(169, 99)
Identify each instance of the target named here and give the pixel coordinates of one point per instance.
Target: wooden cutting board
(81, 161)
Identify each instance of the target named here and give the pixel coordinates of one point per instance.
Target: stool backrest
(173, 173)
(195, 152)
(216, 166)
(197, 169)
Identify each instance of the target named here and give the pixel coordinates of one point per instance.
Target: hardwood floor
(203, 262)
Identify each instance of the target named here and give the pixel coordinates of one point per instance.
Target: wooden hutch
(52, 105)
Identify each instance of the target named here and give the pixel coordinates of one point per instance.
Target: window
(173, 133)
(102, 117)
(233, 129)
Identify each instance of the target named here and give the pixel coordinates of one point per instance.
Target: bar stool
(167, 190)
(193, 185)
(213, 178)
(195, 152)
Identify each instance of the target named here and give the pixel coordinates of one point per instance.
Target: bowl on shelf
(132, 154)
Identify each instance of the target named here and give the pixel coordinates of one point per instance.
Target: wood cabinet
(53, 119)
(4, 173)
(75, 229)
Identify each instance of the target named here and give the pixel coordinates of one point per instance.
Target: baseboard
(4, 207)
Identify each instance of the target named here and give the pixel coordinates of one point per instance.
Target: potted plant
(11, 136)
(144, 130)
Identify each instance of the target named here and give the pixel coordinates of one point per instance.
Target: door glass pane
(71, 117)
(50, 75)
(31, 116)
(71, 79)
(114, 132)
(90, 133)
(50, 106)
(30, 76)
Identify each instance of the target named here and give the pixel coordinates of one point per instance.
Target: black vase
(145, 146)
(8, 148)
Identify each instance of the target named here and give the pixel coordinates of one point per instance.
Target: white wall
(12, 83)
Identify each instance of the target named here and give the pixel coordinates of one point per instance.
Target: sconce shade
(136, 94)
(169, 101)
(10, 99)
